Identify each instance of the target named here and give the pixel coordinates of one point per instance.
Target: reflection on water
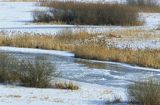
(92, 65)
(100, 65)
(102, 73)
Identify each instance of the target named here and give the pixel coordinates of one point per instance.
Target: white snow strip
(88, 94)
(36, 51)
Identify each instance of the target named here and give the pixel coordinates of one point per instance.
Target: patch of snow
(150, 19)
(88, 94)
(36, 51)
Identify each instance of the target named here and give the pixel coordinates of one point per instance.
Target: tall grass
(144, 93)
(83, 13)
(145, 58)
(65, 40)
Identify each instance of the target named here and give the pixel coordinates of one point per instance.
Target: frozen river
(95, 72)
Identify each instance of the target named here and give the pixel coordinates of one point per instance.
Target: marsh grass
(66, 85)
(82, 13)
(145, 58)
(144, 93)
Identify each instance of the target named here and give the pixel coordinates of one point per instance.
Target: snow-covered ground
(97, 95)
(98, 81)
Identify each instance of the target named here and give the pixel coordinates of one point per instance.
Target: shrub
(42, 16)
(144, 93)
(7, 68)
(150, 3)
(66, 85)
(87, 13)
(36, 73)
(145, 5)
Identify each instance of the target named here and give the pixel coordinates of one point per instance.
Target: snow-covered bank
(88, 94)
(36, 51)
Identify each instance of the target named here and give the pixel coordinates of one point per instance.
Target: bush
(31, 73)
(144, 93)
(43, 16)
(87, 13)
(7, 68)
(150, 3)
(36, 74)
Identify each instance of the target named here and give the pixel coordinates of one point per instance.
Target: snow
(88, 94)
(97, 84)
(36, 51)
(150, 19)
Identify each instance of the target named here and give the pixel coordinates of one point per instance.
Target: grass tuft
(66, 85)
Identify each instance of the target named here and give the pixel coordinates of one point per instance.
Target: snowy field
(97, 95)
(98, 81)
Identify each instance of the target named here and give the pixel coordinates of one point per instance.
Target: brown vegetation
(144, 93)
(99, 13)
(146, 57)
(66, 85)
(30, 73)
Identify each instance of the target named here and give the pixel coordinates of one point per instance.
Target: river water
(95, 72)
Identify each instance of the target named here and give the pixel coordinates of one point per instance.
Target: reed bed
(82, 13)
